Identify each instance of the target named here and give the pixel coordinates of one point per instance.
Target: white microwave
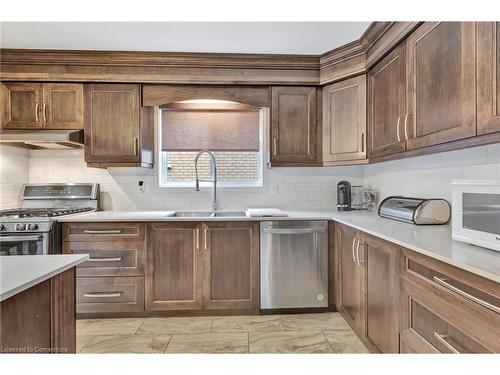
(476, 213)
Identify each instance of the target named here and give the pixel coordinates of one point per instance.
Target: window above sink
(235, 133)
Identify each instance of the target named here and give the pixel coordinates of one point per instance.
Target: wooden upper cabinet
(387, 104)
(173, 279)
(383, 265)
(488, 77)
(441, 84)
(63, 105)
(42, 105)
(231, 265)
(293, 125)
(21, 105)
(117, 129)
(344, 121)
(350, 277)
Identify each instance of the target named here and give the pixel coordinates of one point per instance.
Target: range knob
(21, 227)
(32, 226)
(2, 227)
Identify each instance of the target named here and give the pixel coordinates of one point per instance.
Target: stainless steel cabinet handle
(20, 238)
(357, 253)
(293, 230)
(479, 301)
(205, 240)
(102, 295)
(442, 340)
(275, 152)
(117, 259)
(113, 231)
(45, 112)
(36, 112)
(136, 146)
(362, 142)
(397, 129)
(197, 239)
(353, 256)
(406, 126)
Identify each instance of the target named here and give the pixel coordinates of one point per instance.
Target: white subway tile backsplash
(289, 188)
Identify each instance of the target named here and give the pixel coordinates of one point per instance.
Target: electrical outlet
(141, 186)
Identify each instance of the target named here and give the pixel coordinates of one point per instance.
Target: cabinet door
(441, 88)
(112, 122)
(21, 105)
(382, 272)
(293, 125)
(387, 104)
(63, 105)
(173, 266)
(231, 265)
(344, 120)
(488, 77)
(350, 278)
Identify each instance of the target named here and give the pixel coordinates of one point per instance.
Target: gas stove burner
(19, 213)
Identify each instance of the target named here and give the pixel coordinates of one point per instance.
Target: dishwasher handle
(293, 230)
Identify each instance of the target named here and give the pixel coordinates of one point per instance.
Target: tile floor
(302, 333)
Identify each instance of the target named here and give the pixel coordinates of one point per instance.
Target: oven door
(24, 244)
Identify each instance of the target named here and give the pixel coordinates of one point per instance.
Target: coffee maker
(343, 196)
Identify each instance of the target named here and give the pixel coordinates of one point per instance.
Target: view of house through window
(233, 135)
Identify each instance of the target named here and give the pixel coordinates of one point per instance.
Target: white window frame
(208, 186)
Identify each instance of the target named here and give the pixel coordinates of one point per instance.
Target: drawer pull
(467, 295)
(102, 295)
(117, 259)
(112, 231)
(442, 340)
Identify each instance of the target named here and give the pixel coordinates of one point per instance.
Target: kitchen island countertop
(20, 272)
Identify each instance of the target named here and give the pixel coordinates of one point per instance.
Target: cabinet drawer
(469, 290)
(103, 232)
(109, 294)
(439, 333)
(447, 322)
(125, 258)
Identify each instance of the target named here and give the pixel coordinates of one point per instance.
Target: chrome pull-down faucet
(214, 166)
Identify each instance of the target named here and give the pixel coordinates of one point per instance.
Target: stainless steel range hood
(43, 139)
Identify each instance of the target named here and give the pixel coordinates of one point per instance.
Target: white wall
(431, 175)
(14, 171)
(289, 188)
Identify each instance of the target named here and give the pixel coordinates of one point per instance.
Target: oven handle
(293, 230)
(20, 238)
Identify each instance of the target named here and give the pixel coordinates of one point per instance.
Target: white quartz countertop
(433, 241)
(20, 272)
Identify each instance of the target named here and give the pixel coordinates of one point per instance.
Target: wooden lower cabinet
(231, 265)
(173, 266)
(383, 266)
(367, 271)
(350, 278)
(40, 319)
(194, 266)
(446, 310)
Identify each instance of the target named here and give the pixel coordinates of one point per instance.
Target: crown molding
(351, 59)
(358, 56)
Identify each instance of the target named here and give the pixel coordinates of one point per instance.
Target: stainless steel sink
(208, 214)
(230, 214)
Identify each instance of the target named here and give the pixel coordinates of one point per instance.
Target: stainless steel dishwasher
(293, 264)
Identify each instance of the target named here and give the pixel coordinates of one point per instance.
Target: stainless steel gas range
(33, 229)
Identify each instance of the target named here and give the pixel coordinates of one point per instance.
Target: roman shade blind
(215, 130)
